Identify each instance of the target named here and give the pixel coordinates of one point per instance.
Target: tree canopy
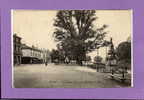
(76, 34)
(124, 51)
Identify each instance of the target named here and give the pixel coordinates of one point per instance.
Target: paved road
(61, 76)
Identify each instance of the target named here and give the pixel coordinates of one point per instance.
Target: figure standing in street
(46, 63)
(67, 60)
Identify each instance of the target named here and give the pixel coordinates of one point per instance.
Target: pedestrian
(67, 60)
(46, 63)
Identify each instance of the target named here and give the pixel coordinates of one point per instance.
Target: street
(61, 76)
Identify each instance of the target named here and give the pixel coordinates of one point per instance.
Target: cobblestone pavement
(61, 76)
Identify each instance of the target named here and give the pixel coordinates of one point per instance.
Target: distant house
(31, 55)
(17, 49)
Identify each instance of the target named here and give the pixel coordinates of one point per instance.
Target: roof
(24, 46)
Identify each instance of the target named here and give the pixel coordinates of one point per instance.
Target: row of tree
(58, 56)
(122, 53)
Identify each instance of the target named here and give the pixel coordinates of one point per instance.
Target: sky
(36, 27)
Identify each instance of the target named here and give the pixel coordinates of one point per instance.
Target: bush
(124, 51)
(124, 55)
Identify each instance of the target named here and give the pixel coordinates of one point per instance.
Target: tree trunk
(79, 60)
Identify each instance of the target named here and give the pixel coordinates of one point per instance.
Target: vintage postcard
(72, 48)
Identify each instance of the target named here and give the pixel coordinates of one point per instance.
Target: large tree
(124, 51)
(54, 55)
(76, 34)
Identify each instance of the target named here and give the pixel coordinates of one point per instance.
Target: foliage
(54, 55)
(97, 59)
(88, 58)
(75, 33)
(124, 51)
(124, 54)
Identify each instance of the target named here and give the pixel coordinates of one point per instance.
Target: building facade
(17, 49)
(24, 54)
(31, 55)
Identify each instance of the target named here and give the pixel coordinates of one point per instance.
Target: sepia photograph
(72, 48)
